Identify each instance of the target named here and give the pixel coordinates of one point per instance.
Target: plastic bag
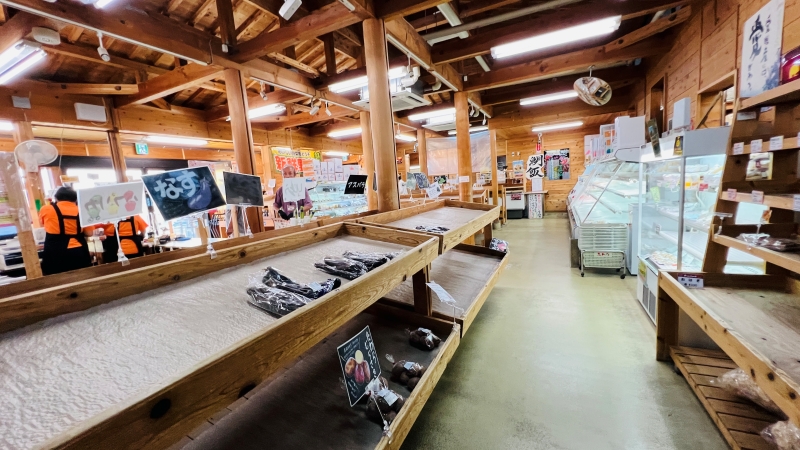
(766, 241)
(343, 267)
(423, 339)
(499, 245)
(382, 403)
(273, 278)
(406, 372)
(432, 229)
(783, 435)
(737, 382)
(371, 260)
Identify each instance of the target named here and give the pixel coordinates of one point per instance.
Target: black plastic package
(432, 229)
(423, 339)
(273, 278)
(342, 267)
(371, 260)
(275, 301)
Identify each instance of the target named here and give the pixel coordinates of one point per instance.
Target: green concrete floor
(556, 361)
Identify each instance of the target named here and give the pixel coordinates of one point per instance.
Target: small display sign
(776, 143)
(691, 280)
(360, 365)
(294, 189)
(183, 192)
(738, 148)
(356, 184)
(142, 148)
(242, 189)
(111, 202)
(757, 197)
(756, 145)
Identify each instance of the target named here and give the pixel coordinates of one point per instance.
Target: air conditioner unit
(440, 126)
(402, 97)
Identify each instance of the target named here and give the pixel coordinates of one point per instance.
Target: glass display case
(603, 194)
(330, 200)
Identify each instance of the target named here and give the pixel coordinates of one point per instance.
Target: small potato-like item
(399, 403)
(404, 378)
(391, 416)
(412, 383)
(398, 368)
(350, 367)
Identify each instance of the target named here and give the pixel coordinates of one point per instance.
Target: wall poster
(761, 50)
(557, 164)
(518, 167)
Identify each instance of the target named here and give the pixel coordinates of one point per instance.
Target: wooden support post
(406, 166)
(369, 159)
(266, 161)
(462, 143)
(242, 133)
(668, 314)
(227, 25)
(330, 54)
(487, 235)
(235, 220)
(422, 151)
(9, 174)
(33, 183)
(114, 143)
(423, 302)
(493, 165)
(381, 119)
(202, 231)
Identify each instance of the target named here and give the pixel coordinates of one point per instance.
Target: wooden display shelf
(789, 143)
(462, 218)
(305, 405)
(789, 92)
(739, 421)
(790, 261)
(468, 273)
(156, 417)
(780, 201)
(754, 319)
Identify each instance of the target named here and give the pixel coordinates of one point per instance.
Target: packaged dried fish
(275, 279)
(275, 301)
(343, 267)
(371, 260)
(432, 229)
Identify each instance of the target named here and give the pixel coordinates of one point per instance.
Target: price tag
(755, 145)
(776, 143)
(690, 280)
(738, 148)
(757, 197)
(443, 295)
(796, 203)
(463, 179)
(731, 193)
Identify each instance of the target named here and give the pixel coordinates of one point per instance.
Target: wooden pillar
(493, 157)
(330, 54)
(23, 131)
(406, 165)
(242, 133)
(381, 120)
(9, 173)
(266, 162)
(462, 143)
(369, 159)
(117, 158)
(422, 151)
(227, 26)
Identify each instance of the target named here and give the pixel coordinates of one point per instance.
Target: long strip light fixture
(6, 125)
(359, 82)
(266, 111)
(548, 98)
(345, 133)
(176, 141)
(405, 137)
(560, 37)
(19, 58)
(557, 126)
(471, 130)
(432, 114)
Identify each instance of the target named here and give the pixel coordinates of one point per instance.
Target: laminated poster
(360, 364)
(183, 192)
(557, 164)
(518, 167)
(241, 189)
(111, 202)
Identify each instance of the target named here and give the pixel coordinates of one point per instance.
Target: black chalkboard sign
(356, 184)
(360, 364)
(241, 189)
(182, 192)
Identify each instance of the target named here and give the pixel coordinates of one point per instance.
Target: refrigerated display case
(330, 200)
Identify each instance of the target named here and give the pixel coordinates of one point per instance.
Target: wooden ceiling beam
(651, 29)
(397, 9)
(169, 83)
(403, 36)
(280, 57)
(17, 28)
(79, 88)
(572, 110)
(296, 120)
(566, 63)
(227, 24)
(327, 19)
(323, 130)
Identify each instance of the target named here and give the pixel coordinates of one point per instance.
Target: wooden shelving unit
(754, 319)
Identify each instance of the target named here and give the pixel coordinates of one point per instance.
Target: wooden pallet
(739, 421)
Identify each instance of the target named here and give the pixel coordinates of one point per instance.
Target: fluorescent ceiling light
(471, 130)
(266, 111)
(101, 3)
(571, 34)
(176, 140)
(460, 35)
(548, 98)
(405, 138)
(413, 168)
(342, 154)
(18, 58)
(439, 120)
(6, 126)
(430, 114)
(557, 126)
(359, 82)
(343, 133)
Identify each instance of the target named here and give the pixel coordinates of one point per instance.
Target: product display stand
(754, 319)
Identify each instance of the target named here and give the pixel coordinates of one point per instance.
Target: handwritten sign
(756, 146)
(294, 189)
(535, 167)
(110, 203)
(182, 192)
(776, 143)
(360, 365)
(738, 148)
(761, 50)
(731, 194)
(356, 184)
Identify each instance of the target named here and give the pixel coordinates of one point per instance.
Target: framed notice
(110, 203)
(241, 189)
(183, 192)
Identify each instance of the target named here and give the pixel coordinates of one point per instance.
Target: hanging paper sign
(776, 143)
(440, 292)
(796, 202)
(241, 189)
(535, 167)
(756, 146)
(110, 202)
(738, 148)
(761, 50)
(183, 192)
(360, 365)
(434, 191)
(294, 189)
(356, 184)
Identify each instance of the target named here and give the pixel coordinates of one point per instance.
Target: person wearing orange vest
(131, 233)
(65, 245)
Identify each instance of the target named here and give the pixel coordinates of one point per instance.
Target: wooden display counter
(305, 406)
(198, 323)
(461, 218)
(468, 273)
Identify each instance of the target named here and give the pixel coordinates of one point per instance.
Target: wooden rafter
(403, 36)
(204, 9)
(171, 82)
(651, 29)
(253, 102)
(17, 28)
(244, 27)
(397, 9)
(280, 57)
(296, 120)
(475, 8)
(49, 87)
(574, 109)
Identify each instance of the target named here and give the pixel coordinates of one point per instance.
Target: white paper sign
(537, 184)
(337, 165)
(271, 183)
(463, 179)
(294, 189)
(796, 202)
(110, 202)
(738, 148)
(434, 191)
(761, 50)
(443, 295)
(731, 193)
(691, 281)
(758, 197)
(756, 146)
(535, 167)
(776, 143)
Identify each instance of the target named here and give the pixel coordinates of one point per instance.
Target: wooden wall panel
(718, 51)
